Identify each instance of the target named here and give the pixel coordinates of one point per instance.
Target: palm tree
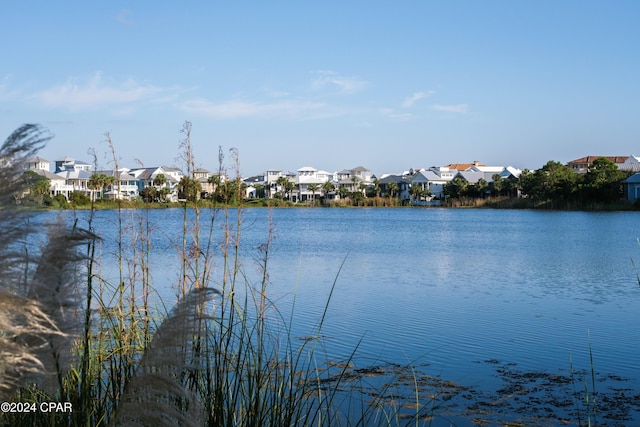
(376, 186)
(281, 184)
(188, 189)
(327, 187)
(392, 187)
(98, 181)
(354, 181)
(481, 187)
(363, 186)
(109, 180)
(215, 180)
(260, 191)
(159, 180)
(288, 188)
(313, 188)
(343, 192)
(416, 192)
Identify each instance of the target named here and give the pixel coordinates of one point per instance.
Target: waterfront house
(310, 176)
(147, 177)
(433, 179)
(353, 180)
(345, 179)
(631, 187)
(582, 164)
(37, 164)
(255, 187)
(270, 182)
(56, 183)
(207, 186)
(75, 180)
(401, 190)
(124, 187)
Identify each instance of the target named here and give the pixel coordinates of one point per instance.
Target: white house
(352, 178)
(307, 176)
(631, 164)
(434, 179)
(145, 177)
(74, 180)
(69, 164)
(125, 186)
(37, 164)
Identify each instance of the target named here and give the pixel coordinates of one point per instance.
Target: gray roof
(47, 174)
(393, 178)
(37, 159)
(471, 176)
(73, 174)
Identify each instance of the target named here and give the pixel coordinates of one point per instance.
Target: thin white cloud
(415, 97)
(393, 115)
(241, 109)
(125, 16)
(97, 93)
(455, 108)
(330, 80)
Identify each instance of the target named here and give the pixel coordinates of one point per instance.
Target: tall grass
(223, 356)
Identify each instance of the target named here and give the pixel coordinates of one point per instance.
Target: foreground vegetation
(220, 356)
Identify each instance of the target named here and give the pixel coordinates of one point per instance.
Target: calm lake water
(468, 292)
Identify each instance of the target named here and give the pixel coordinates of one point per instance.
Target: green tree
(392, 189)
(95, 183)
(189, 189)
(376, 186)
(313, 188)
(416, 192)
(328, 187)
(554, 183)
(288, 188)
(354, 181)
(480, 188)
(363, 187)
(527, 183)
(216, 182)
(260, 191)
(498, 185)
(149, 194)
(457, 187)
(603, 182)
(343, 192)
(233, 190)
(38, 186)
(99, 181)
(160, 180)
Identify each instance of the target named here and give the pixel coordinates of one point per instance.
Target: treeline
(553, 186)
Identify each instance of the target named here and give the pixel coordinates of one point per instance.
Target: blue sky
(332, 84)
